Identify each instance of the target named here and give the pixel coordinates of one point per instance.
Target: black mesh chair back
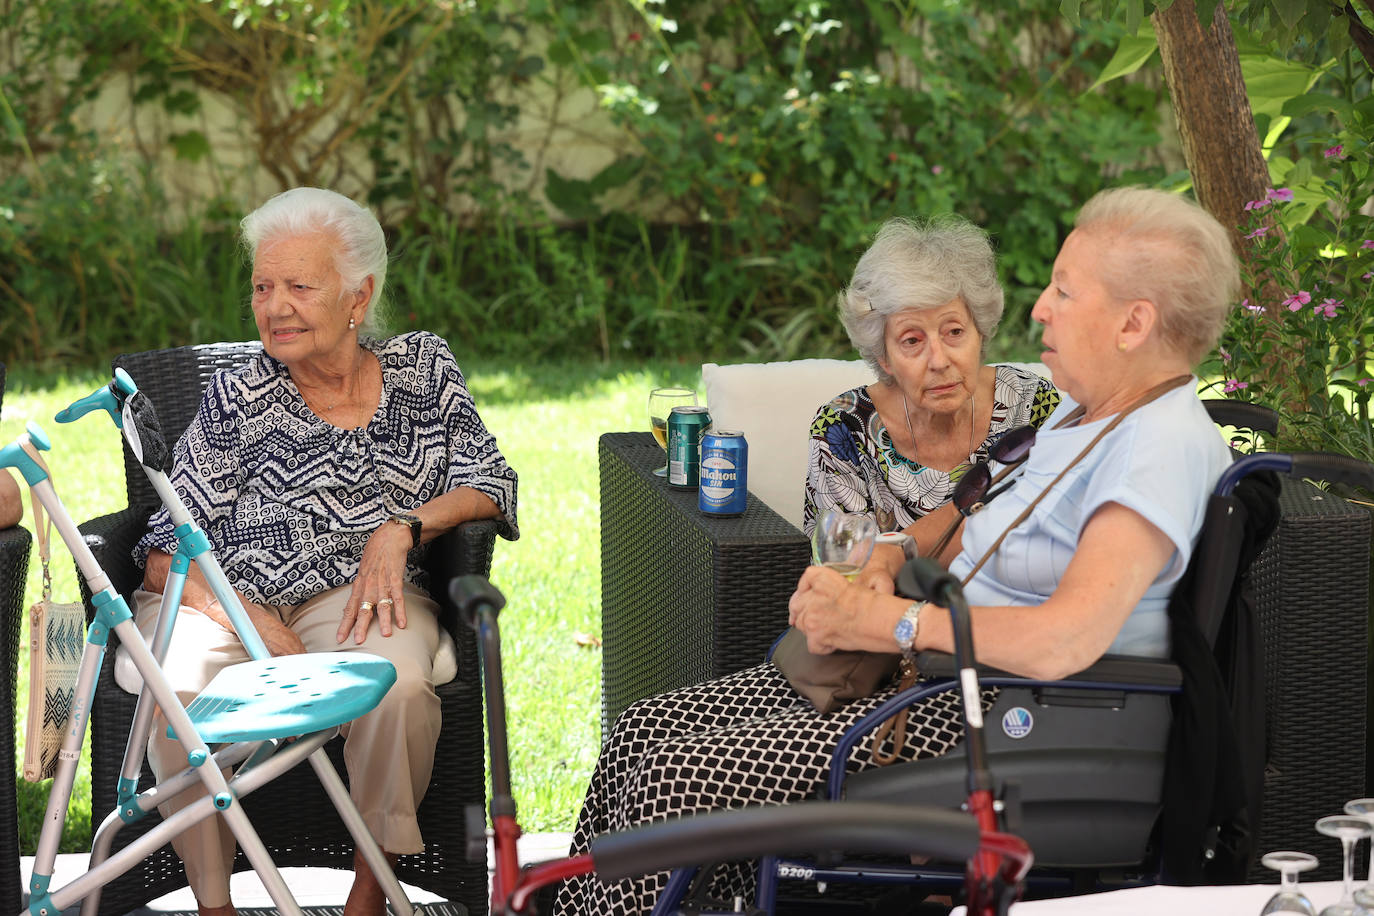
(179, 376)
(14, 568)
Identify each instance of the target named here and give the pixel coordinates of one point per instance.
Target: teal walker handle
(14, 456)
(110, 399)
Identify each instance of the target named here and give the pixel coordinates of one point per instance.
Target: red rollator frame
(997, 862)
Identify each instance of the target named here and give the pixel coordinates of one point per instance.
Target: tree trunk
(1220, 143)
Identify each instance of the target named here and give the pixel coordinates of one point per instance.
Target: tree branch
(1360, 34)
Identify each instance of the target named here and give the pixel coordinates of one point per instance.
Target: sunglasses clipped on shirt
(978, 486)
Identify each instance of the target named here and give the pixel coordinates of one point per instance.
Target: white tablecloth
(1242, 900)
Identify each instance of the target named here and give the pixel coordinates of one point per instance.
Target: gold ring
(383, 601)
(365, 606)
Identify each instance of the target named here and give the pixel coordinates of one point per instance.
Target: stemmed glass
(661, 404)
(1289, 899)
(843, 541)
(1364, 807)
(1347, 828)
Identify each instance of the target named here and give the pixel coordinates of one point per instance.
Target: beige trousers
(389, 752)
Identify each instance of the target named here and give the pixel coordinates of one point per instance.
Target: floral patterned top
(289, 501)
(854, 467)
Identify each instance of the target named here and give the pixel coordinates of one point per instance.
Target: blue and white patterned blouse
(289, 501)
(855, 468)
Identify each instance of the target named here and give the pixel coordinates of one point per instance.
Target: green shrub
(767, 141)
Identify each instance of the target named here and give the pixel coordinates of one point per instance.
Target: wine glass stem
(1348, 848)
(1290, 880)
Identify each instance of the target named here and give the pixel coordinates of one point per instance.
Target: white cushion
(773, 405)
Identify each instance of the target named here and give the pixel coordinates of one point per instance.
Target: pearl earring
(353, 324)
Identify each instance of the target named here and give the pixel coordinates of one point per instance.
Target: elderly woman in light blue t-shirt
(1138, 296)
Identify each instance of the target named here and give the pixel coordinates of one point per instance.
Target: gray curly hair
(920, 265)
(361, 249)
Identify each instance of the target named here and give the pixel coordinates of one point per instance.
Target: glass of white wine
(661, 404)
(843, 541)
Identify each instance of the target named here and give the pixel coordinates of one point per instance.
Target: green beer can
(686, 426)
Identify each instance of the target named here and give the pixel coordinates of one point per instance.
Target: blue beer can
(724, 469)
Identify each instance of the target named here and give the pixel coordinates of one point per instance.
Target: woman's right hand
(196, 595)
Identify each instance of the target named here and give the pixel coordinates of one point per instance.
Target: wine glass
(1364, 807)
(843, 541)
(1288, 899)
(661, 404)
(1347, 828)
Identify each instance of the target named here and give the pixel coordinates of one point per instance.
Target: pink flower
(1298, 300)
(1261, 232)
(1282, 194)
(1326, 307)
(1364, 381)
(1367, 276)
(1256, 204)
(1334, 152)
(936, 169)
(1252, 309)
(1234, 384)
(1367, 244)
(705, 85)
(1225, 356)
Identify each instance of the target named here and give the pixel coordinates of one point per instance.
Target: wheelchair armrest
(1116, 669)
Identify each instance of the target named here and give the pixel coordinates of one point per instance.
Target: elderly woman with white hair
(1075, 560)
(317, 470)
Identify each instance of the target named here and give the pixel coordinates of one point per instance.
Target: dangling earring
(353, 324)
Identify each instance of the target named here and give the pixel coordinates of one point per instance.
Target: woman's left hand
(379, 590)
(825, 607)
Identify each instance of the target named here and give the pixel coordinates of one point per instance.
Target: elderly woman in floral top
(317, 470)
(922, 305)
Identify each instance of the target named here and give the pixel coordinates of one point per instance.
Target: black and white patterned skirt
(742, 740)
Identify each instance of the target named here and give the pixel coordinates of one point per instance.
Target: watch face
(904, 632)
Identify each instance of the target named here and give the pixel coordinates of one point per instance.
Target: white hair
(1167, 249)
(920, 265)
(361, 248)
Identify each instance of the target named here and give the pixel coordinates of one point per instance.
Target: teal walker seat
(289, 695)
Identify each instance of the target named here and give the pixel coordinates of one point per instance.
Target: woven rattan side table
(685, 597)
(1311, 590)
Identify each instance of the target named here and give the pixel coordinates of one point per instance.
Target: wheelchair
(1093, 771)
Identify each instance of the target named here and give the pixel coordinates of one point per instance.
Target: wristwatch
(907, 627)
(900, 539)
(413, 523)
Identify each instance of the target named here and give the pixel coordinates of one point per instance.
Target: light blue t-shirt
(1161, 461)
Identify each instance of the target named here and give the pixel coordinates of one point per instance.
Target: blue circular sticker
(1017, 722)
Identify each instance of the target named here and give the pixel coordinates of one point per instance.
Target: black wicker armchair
(292, 814)
(14, 567)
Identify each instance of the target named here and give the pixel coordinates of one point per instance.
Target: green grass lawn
(546, 419)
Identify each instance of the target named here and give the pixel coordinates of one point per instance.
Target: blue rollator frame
(242, 719)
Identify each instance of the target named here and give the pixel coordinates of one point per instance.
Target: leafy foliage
(1303, 345)
(766, 143)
